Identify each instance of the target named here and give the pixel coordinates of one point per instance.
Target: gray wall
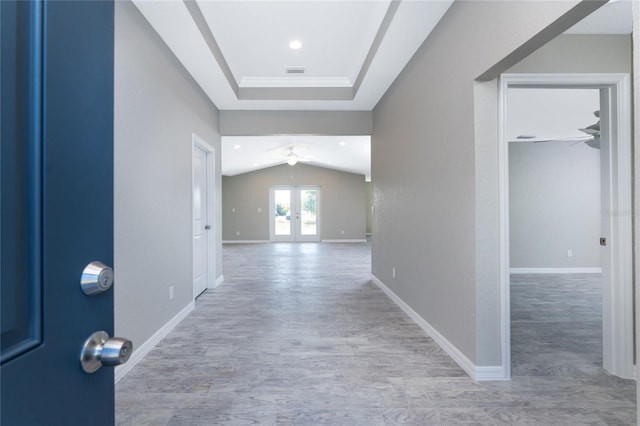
(426, 176)
(554, 196)
(571, 53)
(258, 123)
(157, 108)
(342, 201)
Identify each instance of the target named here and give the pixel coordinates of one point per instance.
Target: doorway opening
(554, 227)
(615, 207)
(297, 166)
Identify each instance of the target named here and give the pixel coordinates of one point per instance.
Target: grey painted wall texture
(424, 171)
(570, 53)
(259, 123)
(157, 108)
(342, 201)
(554, 195)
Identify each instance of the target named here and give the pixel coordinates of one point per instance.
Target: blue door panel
(20, 293)
(71, 200)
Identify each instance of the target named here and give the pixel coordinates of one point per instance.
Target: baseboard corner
(218, 281)
(140, 352)
(464, 362)
(491, 373)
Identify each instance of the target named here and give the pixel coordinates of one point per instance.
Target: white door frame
(618, 319)
(295, 234)
(199, 143)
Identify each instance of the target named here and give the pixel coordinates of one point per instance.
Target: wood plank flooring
(298, 335)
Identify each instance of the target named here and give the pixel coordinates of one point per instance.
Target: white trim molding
(219, 281)
(617, 256)
(555, 270)
(491, 373)
(246, 242)
(364, 240)
(140, 352)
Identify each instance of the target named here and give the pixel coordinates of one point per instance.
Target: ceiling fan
(591, 138)
(291, 158)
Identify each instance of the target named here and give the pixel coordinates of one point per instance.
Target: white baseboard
(218, 281)
(447, 346)
(493, 372)
(245, 241)
(555, 270)
(477, 373)
(345, 241)
(140, 352)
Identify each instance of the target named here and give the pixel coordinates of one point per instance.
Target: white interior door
(203, 234)
(296, 213)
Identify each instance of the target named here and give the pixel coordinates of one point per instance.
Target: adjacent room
(555, 226)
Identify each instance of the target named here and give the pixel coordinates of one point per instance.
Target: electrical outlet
(569, 253)
(237, 232)
(342, 232)
(259, 209)
(393, 273)
(233, 210)
(170, 292)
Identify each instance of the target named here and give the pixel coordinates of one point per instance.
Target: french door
(295, 213)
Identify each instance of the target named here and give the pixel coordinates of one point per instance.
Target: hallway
(298, 335)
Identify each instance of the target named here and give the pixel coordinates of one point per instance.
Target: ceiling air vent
(294, 70)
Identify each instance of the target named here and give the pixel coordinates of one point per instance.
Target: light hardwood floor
(298, 335)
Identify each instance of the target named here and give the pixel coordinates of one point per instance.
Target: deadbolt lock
(96, 278)
(603, 241)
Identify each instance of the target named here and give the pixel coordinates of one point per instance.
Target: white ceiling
(550, 113)
(243, 154)
(237, 51)
(352, 50)
(332, 51)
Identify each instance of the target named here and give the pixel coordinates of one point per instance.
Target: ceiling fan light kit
(292, 159)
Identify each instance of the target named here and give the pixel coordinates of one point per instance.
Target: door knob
(207, 227)
(101, 350)
(96, 278)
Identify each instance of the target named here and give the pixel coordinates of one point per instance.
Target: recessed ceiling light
(236, 146)
(295, 44)
(342, 143)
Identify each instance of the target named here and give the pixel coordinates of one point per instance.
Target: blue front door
(57, 207)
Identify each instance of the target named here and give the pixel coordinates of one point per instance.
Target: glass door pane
(283, 212)
(308, 212)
